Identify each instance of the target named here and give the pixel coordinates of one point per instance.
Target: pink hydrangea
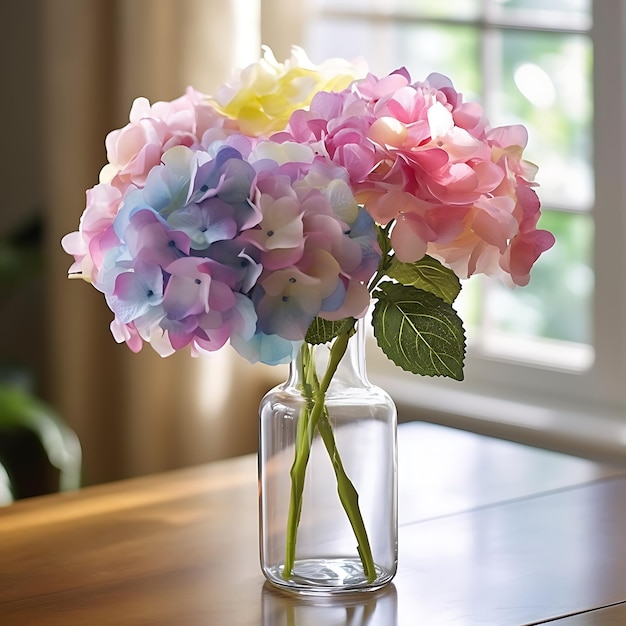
(133, 150)
(419, 156)
(95, 234)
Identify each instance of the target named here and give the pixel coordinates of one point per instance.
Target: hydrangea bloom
(419, 156)
(134, 150)
(266, 93)
(241, 218)
(219, 248)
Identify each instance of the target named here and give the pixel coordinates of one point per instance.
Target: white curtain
(137, 414)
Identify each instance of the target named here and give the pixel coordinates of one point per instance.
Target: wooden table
(491, 532)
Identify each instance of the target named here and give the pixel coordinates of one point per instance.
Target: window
(556, 344)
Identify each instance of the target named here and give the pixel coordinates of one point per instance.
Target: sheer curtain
(137, 414)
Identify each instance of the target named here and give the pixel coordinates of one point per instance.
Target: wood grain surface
(491, 532)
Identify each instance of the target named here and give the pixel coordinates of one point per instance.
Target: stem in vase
(314, 416)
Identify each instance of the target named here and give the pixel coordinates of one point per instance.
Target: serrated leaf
(323, 331)
(418, 331)
(427, 274)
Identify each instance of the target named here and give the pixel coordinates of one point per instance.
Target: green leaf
(323, 331)
(429, 275)
(419, 331)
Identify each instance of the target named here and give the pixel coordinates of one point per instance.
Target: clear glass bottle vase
(328, 475)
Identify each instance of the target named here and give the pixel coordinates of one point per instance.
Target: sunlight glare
(535, 85)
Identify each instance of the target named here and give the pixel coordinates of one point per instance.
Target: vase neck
(351, 370)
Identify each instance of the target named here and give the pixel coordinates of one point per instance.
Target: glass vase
(328, 474)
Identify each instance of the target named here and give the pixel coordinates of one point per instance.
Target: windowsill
(599, 435)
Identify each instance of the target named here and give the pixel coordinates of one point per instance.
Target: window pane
(557, 302)
(454, 9)
(579, 8)
(329, 37)
(545, 83)
(345, 5)
(451, 50)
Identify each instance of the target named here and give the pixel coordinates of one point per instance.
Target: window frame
(578, 411)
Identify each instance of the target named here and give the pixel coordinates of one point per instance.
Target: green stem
(348, 495)
(313, 415)
(307, 425)
(298, 469)
(349, 498)
(385, 260)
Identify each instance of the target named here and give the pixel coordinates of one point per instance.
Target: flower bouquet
(271, 215)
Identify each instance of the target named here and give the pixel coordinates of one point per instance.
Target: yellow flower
(268, 92)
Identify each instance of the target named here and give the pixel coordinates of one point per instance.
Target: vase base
(327, 576)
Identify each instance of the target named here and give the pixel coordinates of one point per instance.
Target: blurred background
(71, 71)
